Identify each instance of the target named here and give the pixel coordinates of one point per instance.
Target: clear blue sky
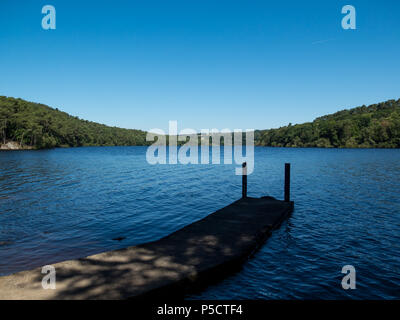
(223, 64)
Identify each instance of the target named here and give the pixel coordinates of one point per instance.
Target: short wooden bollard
(244, 180)
(287, 182)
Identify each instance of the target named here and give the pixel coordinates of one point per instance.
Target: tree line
(40, 126)
(375, 126)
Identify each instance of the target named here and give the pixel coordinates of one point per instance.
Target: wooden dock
(202, 251)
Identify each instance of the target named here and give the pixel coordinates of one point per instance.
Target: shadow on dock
(185, 260)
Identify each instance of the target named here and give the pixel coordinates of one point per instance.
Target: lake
(62, 204)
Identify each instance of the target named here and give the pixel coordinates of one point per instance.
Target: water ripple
(68, 203)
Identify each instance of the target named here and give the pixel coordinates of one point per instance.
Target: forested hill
(375, 126)
(39, 126)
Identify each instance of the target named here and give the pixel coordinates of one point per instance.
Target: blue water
(68, 203)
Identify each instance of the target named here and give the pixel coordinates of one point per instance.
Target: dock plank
(204, 249)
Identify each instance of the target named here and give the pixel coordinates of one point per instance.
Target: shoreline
(14, 146)
(5, 147)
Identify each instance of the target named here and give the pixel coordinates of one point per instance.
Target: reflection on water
(68, 203)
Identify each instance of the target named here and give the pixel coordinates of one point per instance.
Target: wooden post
(287, 182)
(244, 180)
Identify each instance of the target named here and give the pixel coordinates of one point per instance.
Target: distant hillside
(34, 125)
(375, 126)
(39, 126)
